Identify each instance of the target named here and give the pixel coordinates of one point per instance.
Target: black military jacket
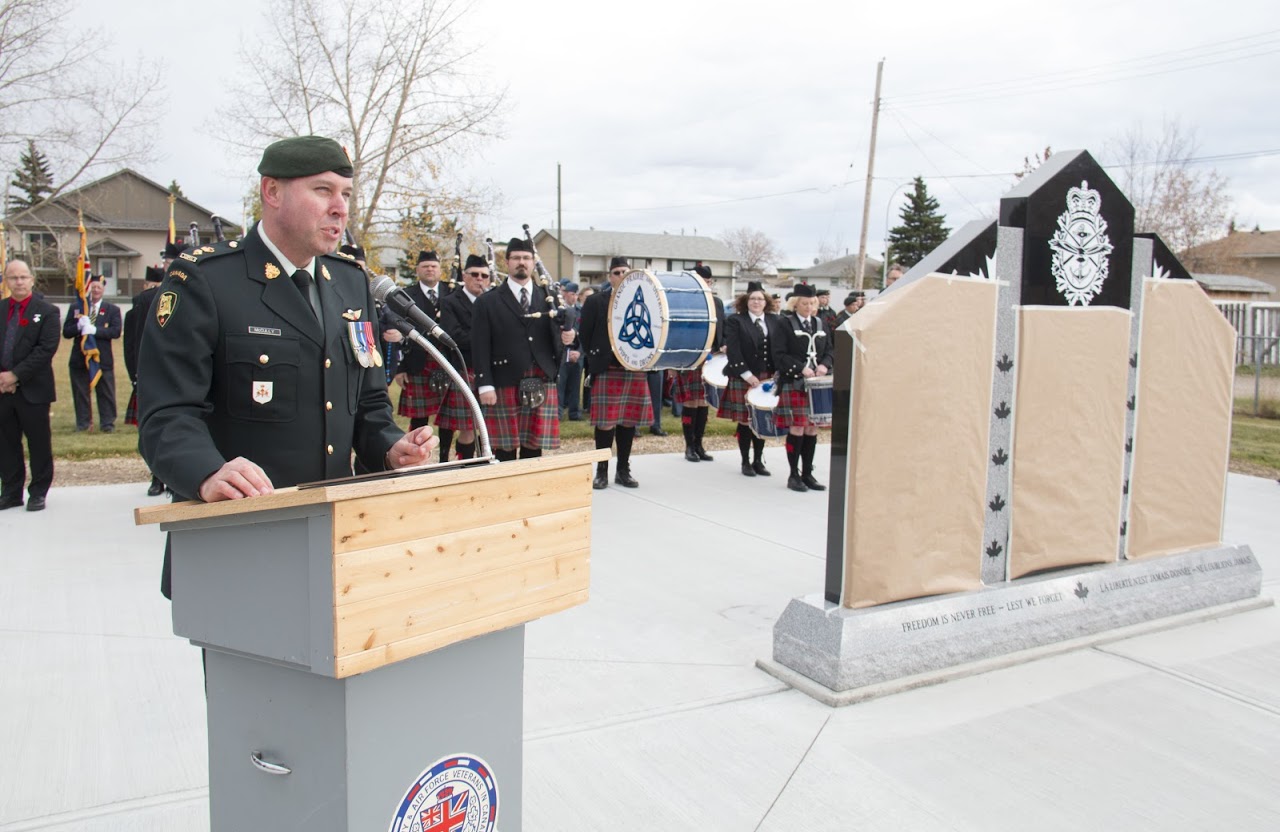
(414, 358)
(134, 320)
(33, 349)
(235, 363)
(749, 349)
(791, 348)
(593, 332)
(456, 311)
(505, 343)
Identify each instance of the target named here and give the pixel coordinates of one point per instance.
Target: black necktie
(431, 296)
(524, 300)
(760, 326)
(808, 325)
(303, 281)
(10, 337)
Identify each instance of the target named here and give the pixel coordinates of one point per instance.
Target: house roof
(633, 244)
(107, 247)
(62, 212)
(839, 268)
(1246, 244)
(1232, 283)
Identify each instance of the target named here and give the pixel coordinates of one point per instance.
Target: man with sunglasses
(456, 312)
(619, 397)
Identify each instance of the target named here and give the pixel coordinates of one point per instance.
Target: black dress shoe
(795, 484)
(702, 453)
(747, 470)
(691, 455)
(12, 502)
(600, 482)
(625, 479)
(657, 432)
(35, 504)
(811, 482)
(108, 428)
(760, 470)
(156, 489)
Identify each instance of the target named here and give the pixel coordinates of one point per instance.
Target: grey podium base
(343, 755)
(841, 656)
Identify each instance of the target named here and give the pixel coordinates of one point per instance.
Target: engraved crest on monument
(1081, 247)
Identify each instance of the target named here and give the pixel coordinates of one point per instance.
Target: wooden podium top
(293, 497)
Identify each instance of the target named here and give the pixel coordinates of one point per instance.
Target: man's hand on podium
(414, 448)
(235, 480)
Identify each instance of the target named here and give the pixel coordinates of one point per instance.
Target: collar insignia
(271, 271)
(324, 270)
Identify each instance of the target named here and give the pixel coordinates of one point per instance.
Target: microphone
(386, 291)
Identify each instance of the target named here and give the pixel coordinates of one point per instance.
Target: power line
(1173, 60)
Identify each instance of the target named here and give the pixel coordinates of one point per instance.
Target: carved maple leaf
(996, 503)
(1124, 527)
(1133, 360)
(1082, 591)
(1126, 486)
(1000, 457)
(1003, 411)
(994, 550)
(1005, 364)
(1132, 401)
(1128, 445)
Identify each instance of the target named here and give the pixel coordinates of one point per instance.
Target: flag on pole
(173, 229)
(88, 343)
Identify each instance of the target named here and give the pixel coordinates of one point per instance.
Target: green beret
(304, 156)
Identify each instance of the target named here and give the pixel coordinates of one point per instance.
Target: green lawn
(1255, 442)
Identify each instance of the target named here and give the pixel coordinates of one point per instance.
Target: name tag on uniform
(264, 330)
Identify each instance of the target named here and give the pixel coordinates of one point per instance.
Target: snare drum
(761, 401)
(663, 321)
(714, 379)
(821, 400)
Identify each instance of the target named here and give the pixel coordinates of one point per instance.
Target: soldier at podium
(257, 371)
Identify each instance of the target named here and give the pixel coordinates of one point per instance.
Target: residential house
(1234, 287)
(126, 217)
(585, 255)
(838, 275)
(1254, 254)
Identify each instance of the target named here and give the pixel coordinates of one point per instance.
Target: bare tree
(754, 249)
(1185, 205)
(1030, 163)
(86, 115)
(388, 80)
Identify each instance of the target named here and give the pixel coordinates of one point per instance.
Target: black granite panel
(1165, 260)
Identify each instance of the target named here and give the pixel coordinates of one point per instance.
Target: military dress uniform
(508, 345)
(620, 398)
(237, 363)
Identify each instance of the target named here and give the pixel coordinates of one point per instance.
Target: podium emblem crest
(455, 794)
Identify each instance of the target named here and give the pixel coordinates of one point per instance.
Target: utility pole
(871, 164)
(559, 230)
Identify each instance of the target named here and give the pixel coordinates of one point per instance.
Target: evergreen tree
(33, 178)
(175, 188)
(922, 229)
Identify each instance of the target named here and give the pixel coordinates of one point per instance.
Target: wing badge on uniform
(271, 271)
(352, 314)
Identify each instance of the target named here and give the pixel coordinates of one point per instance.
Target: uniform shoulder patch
(178, 274)
(215, 250)
(166, 305)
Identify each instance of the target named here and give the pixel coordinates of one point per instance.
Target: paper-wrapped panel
(1183, 433)
(919, 423)
(1068, 437)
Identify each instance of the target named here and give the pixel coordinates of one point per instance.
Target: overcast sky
(684, 115)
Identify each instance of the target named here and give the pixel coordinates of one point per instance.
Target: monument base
(853, 655)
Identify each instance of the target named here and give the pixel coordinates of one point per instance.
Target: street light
(884, 267)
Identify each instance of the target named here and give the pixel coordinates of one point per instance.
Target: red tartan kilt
(512, 426)
(687, 387)
(131, 410)
(733, 402)
(417, 400)
(455, 414)
(793, 406)
(620, 397)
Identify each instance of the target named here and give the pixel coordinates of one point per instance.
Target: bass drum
(761, 402)
(663, 321)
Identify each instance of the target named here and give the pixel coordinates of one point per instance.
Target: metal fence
(1257, 380)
